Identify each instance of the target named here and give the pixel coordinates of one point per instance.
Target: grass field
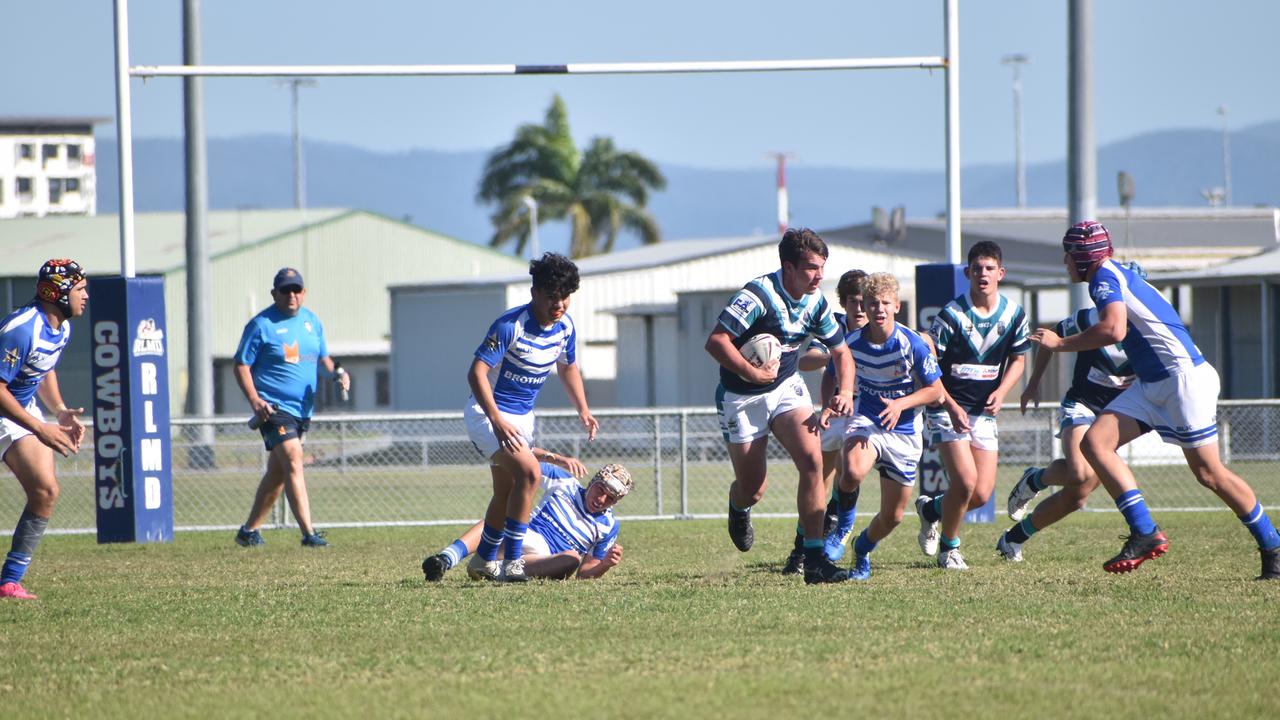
(685, 627)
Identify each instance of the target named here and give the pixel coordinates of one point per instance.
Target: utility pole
(299, 182)
(1082, 153)
(1016, 62)
(199, 401)
(532, 205)
(1226, 156)
(784, 207)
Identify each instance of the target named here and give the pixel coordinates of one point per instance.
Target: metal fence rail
(400, 469)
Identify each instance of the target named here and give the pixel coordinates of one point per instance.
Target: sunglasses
(290, 289)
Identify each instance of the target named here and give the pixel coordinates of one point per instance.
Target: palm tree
(599, 192)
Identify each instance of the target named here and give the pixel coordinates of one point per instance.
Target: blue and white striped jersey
(1156, 342)
(974, 349)
(764, 306)
(1100, 374)
(29, 349)
(523, 353)
(893, 369)
(563, 519)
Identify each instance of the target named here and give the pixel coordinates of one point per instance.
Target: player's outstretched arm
(571, 376)
(1031, 393)
(592, 568)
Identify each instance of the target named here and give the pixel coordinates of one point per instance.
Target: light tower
(784, 208)
(1016, 61)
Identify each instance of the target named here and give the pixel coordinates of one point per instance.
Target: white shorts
(480, 430)
(833, 436)
(983, 433)
(11, 432)
(1183, 408)
(897, 454)
(1071, 414)
(744, 418)
(535, 544)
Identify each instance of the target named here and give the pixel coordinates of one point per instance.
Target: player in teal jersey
(981, 341)
(276, 366)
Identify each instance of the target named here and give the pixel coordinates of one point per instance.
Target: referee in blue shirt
(276, 365)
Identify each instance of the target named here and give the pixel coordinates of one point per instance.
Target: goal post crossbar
(613, 68)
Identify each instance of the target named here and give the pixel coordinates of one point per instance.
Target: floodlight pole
(532, 205)
(1082, 157)
(1016, 62)
(952, 26)
(124, 137)
(1226, 157)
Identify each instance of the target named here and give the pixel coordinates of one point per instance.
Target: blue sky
(1159, 65)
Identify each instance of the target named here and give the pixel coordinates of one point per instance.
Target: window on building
(49, 152)
(72, 185)
(24, 188)
(73, 154)
(55, 191)
(26, 151)
(382, 390)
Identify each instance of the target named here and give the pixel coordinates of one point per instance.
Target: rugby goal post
(949, 63)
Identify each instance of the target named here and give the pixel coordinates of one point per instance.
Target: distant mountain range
(437, 189)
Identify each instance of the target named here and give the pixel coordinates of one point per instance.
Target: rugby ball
(761, 350)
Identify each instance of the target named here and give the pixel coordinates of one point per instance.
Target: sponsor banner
(937, 285)
(133, 481)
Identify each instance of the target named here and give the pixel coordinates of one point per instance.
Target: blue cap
(287, 276)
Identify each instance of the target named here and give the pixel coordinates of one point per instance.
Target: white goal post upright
(948, 63)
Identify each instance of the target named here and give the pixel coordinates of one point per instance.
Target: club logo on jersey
(11, 357)
(149, 339)
(1102, 290)
(1001, 327)
(291, 352)
(307, 325)
(742, 306)
(931, 365)
(491, 343)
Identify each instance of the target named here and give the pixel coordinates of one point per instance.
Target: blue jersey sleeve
(570, 354)
(742, 311)
(250, 342)
(14, 347)
(601, 549)
(923, 362)
(500, 336)
(1105, 288)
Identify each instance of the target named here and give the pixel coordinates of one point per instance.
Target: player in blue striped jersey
(1098, 377)
(1176, 394)
(981, 341)
(754, 401)
(520, 349)
(897, 373)
(572, 530)
(849, 295)
(31, 341)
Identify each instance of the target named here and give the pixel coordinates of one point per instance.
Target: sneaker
(823, 571)
(861, 569)
(480, 569)
(1010, 551)
(795, 563)
(835, 544)
(249, 538)
(513, 571)
(740, 530)
(315, 539)
(435, 567)
(1021, 495)
(15, 591)
(928, 537)
(1137, 550)
(1270, 564)
(952, 560)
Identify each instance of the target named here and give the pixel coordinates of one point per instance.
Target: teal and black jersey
(1101, 374)
(763, 306)
(974, 350)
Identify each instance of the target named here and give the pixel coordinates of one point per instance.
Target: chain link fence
(421, 468)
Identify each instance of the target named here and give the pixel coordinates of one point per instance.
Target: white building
(47, 166)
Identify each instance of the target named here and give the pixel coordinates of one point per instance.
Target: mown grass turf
(686, 627)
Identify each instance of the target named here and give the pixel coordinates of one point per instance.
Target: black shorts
(283, 426)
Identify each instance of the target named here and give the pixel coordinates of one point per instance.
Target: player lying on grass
(572, 530)
(897, 375)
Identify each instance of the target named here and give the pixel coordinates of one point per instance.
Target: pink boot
(15, 591)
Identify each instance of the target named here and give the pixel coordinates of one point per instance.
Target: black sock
(931, 511)
(847, 500)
